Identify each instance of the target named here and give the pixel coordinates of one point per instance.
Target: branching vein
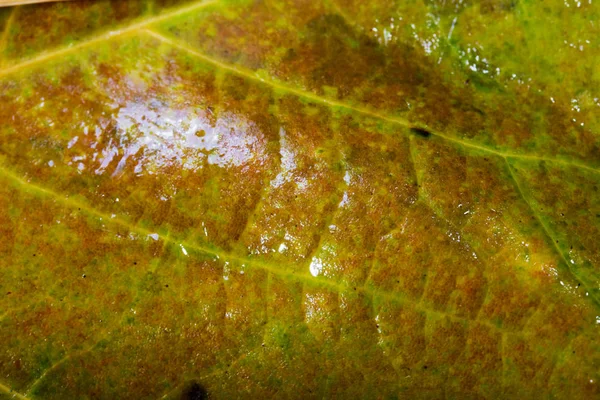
(549, 235)
(287, 274)
(248, 74)
(140, 24)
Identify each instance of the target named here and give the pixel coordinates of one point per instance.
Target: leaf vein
(546, 230)
(242, 72)
(126, 29)
(338, 287)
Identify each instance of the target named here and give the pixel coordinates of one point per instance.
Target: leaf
(299, 199)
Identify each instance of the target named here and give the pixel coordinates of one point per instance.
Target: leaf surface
(293, 199)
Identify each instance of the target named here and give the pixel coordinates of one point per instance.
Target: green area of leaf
(299, 199)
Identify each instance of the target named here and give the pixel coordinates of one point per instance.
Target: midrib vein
(142, 25)
(337, 287)
(248, 74)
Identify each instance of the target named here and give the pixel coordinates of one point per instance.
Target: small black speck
(194, 392)
(424, 133)
(34, 255)
(135, 263)
(579, 284)
(424, 366)
(7, 293)
(83, 276)
(166, 285)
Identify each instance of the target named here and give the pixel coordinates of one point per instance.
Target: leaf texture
(298, 199)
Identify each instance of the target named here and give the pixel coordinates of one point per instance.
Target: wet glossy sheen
(300, 199)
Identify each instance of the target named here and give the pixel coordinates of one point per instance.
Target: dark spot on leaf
(424, 366)
(424, 133)
(83, 276)
(194, 391)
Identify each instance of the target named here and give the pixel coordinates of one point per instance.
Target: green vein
(593, 295)
(335, 199)
(76, 353)
(426, 200)
(333, 4)
(568, 163)
(304, 277)
(12, 393)
(4, 37)
(140, 24)
(102, 335)
(248, 74)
